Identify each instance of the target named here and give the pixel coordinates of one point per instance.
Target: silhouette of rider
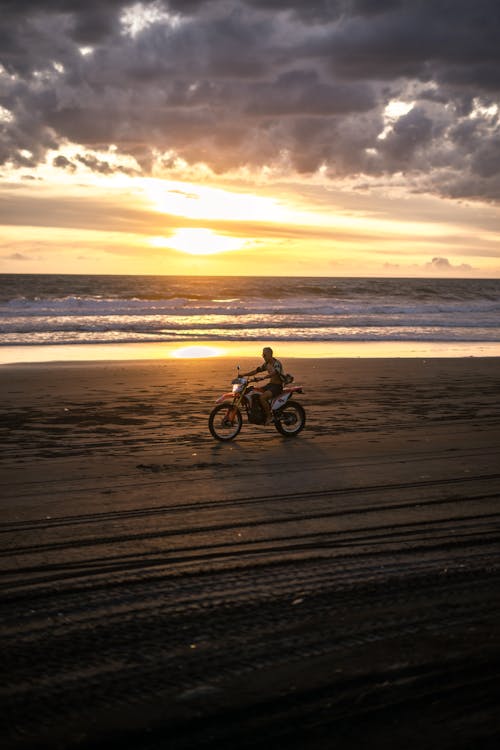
(274, 371)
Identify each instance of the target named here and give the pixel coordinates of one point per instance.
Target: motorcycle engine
(255, 412)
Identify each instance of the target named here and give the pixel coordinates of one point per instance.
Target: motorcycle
(226, 419)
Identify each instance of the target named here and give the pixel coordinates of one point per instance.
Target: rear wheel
(291, 419)
(225, 421)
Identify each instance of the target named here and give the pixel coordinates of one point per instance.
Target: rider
(274, 370)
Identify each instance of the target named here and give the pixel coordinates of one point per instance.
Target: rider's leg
(264, 400)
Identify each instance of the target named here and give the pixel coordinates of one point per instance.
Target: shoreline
(79, 353)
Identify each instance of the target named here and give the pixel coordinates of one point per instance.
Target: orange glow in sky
(120, 224)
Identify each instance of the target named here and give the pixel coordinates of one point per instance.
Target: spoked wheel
(225, 422)
(291, 419)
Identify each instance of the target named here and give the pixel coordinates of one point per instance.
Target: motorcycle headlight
(237, 387)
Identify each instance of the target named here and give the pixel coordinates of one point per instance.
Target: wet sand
(335, 590)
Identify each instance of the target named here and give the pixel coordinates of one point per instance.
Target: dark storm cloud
(89, 21)
(257, 82)
(412, 37)
(411, 133)
(322, 11)
(302, 92)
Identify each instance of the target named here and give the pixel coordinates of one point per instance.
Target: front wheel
(225, 421)
(291, 419)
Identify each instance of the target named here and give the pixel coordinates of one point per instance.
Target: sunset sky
(322, 138)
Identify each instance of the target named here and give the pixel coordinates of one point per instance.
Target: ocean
(91, 309)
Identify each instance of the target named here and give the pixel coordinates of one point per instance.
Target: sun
(199, 242)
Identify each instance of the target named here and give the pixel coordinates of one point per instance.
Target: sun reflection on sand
(234, 350)
(192, 352)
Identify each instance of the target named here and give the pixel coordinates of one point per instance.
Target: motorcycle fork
(231, 412)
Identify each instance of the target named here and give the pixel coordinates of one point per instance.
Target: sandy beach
(335, 590)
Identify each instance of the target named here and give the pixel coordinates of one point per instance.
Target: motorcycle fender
(280, 400)
(224, 397)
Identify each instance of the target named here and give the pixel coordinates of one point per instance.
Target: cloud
(16, 256)
(63, 163)
(437, 265)
(443, 264)
(254, 83)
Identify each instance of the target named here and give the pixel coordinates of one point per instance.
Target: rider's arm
(252, 372)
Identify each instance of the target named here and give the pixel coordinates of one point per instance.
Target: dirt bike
(226, 419)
